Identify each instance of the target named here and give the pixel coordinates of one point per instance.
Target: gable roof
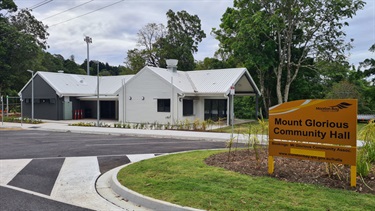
(81, 85)
(202, 82)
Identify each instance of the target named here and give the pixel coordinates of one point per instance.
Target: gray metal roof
(81, 85)
(199, 82)
(204, 82)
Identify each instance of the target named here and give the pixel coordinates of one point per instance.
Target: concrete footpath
(106, 185)
(63, 126)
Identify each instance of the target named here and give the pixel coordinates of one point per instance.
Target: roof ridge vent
(172, 64)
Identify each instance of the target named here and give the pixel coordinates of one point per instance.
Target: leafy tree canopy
(179, 40)
(283, 36)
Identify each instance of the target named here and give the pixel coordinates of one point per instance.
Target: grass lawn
(186, 180)
(239, 128)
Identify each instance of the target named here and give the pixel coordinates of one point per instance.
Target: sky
(113, 26)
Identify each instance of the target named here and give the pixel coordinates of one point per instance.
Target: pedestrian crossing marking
(10, 168)
(75, 183)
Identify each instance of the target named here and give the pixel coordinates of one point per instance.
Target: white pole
(7, 106)
(32, 95)
(32, 98)
(88, 40)
(98, 104)
(124, 101)
(2, 111)
(21, 110)
(172, 102)
(232, 108)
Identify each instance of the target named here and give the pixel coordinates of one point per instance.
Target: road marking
(10, 168)
(76, 184)
(139, 157)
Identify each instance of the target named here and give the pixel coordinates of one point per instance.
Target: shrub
(366, 155)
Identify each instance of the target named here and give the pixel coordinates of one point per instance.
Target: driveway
(41, 170)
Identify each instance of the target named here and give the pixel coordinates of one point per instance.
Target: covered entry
(108, 108)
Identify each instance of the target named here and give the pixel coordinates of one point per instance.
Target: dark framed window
(187, 107)
(164, 105)
(215, 109)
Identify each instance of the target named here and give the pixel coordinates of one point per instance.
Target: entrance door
(108, 109)
(215, 109)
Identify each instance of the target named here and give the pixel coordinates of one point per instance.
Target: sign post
(318, 130)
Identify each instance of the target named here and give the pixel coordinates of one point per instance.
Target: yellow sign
(321, 121)
(320, 130)
(315, 152)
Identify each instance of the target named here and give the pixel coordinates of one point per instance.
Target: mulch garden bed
(292, 170)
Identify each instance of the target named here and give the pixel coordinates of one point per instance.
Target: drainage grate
(34, 127)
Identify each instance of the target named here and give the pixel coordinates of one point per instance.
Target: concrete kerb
(142, 200)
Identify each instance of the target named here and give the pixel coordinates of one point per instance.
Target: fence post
(7, 106)
(2, 111)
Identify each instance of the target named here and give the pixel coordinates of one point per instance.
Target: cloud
(114, 29)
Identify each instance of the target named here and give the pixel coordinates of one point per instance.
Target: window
(215, 109)
(188, 107)
(164, 105)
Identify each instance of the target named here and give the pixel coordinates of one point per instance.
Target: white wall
(150, 86)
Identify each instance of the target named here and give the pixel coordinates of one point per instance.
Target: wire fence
(10, 106)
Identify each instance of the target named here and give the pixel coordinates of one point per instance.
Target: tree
(147, 37)
(368, 91)
(210, 63)
(7, 5)
(135, 60)
(180, 41)
(370, 64)
(147, 54)
(22, 39)
(282, 36)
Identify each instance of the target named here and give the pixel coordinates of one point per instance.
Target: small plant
(83, 124)
(180, 125)
(24, 120)
(204, 125)
(366, 155)
(168, 126)
(196, 124)
(229, 145)
(252, 140)
(210, 123)
(219, 123)
(363, 165)
(263, 127)
(186, 125)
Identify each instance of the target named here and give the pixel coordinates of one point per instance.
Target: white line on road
(76, 184)
(10, 168)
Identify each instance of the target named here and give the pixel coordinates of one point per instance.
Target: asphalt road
(45, 152)
(42, 144)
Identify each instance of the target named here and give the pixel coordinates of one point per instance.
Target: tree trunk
(278, 84)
